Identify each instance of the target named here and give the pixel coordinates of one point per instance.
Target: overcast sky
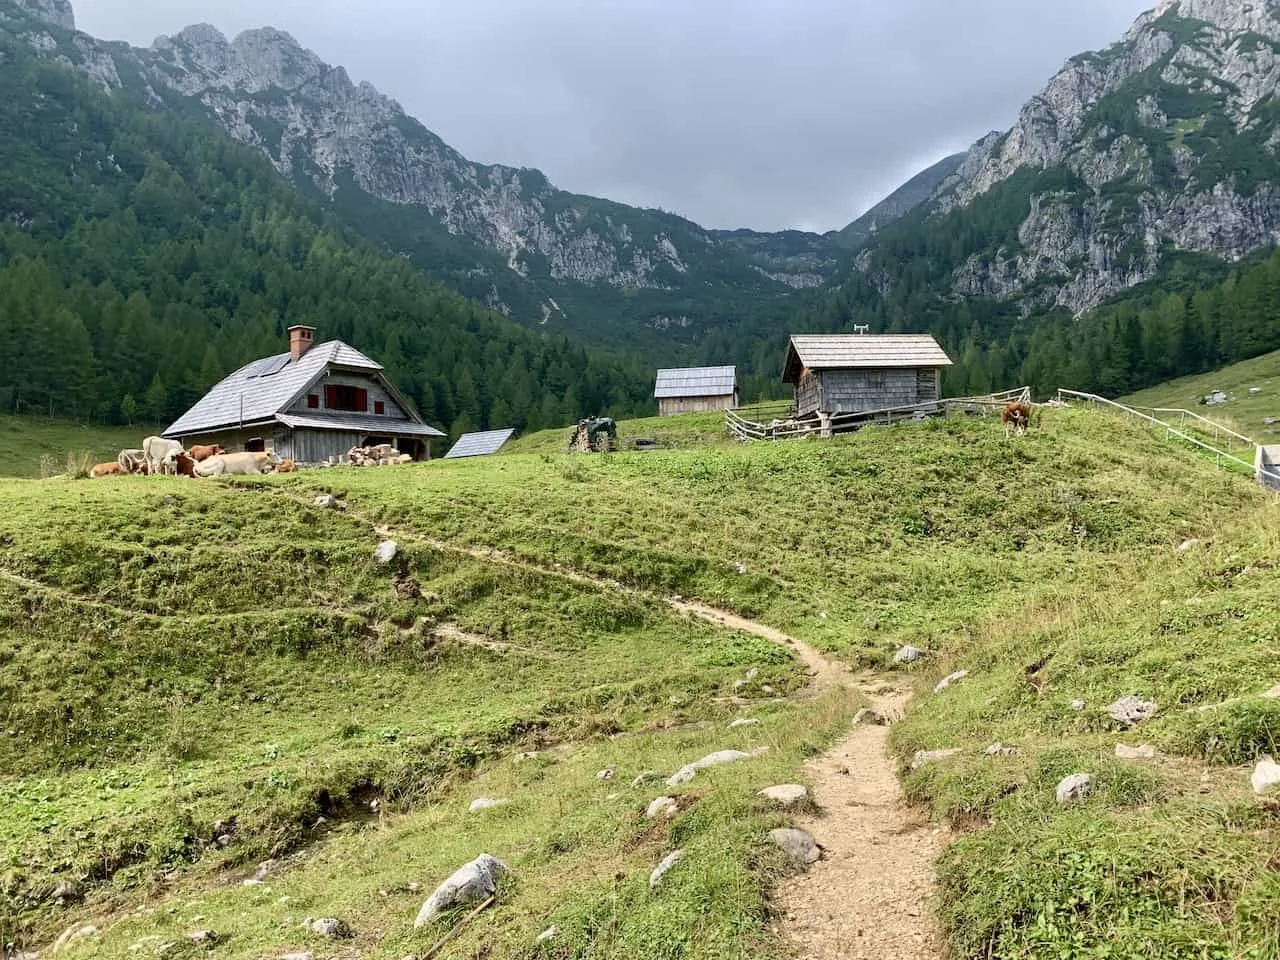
(735, 113)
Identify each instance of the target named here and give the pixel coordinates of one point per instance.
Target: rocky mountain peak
(202, 58)
(57, 12)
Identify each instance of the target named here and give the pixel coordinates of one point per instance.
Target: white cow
(157, 451)
(237, 465)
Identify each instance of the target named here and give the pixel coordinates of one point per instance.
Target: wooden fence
(777, 421)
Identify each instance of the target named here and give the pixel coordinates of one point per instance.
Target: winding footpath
(870, 896)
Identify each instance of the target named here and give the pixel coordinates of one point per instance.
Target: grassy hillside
(32, 445)
(195, 677)
(1244, 410)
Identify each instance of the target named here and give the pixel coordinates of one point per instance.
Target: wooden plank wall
(853, 391)
(393, 411)
(670, 406)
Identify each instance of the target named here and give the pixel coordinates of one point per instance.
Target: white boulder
(477, 880)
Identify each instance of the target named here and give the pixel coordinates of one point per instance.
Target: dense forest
(143, 257)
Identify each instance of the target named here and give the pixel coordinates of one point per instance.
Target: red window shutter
(330, 396)
(379, 407)
(313, 401)
(362, 400)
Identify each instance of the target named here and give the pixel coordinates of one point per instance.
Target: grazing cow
(1016, 418)
(237, 465)
(200, 454)
(132, 461)
(285, 466)
(157, 450)
(107, 470)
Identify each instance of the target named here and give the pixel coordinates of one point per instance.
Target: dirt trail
(870, 896)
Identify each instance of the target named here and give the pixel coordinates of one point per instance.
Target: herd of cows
(159, 456)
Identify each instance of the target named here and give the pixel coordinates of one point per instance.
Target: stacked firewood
(383, 455)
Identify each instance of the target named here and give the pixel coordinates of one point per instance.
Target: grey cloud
(760, 113)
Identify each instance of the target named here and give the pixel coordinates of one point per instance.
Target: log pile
(383, 455)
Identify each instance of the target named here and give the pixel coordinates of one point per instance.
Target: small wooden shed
(696, 390)
(840, 374)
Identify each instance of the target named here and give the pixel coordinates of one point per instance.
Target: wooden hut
(696, 390)
(312, 405)
(835, 375)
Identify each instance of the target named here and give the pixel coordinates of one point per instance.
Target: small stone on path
(786, 795)
(1001, 750)
(662, 869)
(1143, 752)
(485, 803)
(796, 844)
(330, 927)
(665, 807)
(1130, 710)
(1266, 776)
(1074, 788)
(386, 551)
(869, 715)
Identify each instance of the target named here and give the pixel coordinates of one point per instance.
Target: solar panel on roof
(274, 365)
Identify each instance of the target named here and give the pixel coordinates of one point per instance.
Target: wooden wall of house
(235, 440)
(375, 389)
(856, 391)
(670, 406)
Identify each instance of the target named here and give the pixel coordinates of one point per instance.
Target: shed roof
(696, 382)
(842, 352)
(261, 390)
(480, 444)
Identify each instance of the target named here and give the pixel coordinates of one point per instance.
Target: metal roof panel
(696, 382)
(820, 352)
(480, 444)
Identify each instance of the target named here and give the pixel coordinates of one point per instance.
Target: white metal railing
(1214, 425)
(1269, 477)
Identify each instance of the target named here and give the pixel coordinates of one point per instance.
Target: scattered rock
(662, 869)
(1189, 544)
(1215, 398)
(265, 869)
(753, 673)
(766, 688)
(485, 803)
(744, 722)
(1266, 776)
(796, 844)
(786, 795)
(327, 502)
(739, 684)
(1130, 710)
(949, 680)
(868, 715)
(330, 927)
(646, 776)
(1254, 391)
(67, 889)
(923, 758)
(741, 568)
(1144, 752)
(608, 773)
(74, 933)
(1074, 788)
(908, 655)
(1001, 750)
(1077, 706)
(203, 936)
(477, 880)
(387, 551)
(717, 759)
(665, 807)
(547, 934)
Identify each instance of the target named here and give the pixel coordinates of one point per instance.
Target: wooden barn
(696, 390)
(312, 404)
(840, 374)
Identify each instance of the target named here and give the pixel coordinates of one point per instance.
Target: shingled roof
(868, 351)
(696, 382)
(260, 392)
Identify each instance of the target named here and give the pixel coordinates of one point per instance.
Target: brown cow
(185, 465)
(106, 470)
(200, 454)
(286, 466)
(1016, 418)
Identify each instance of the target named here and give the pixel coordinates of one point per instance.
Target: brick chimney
(300, 340)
